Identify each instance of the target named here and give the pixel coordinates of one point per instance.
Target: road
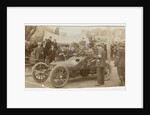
(79, 82)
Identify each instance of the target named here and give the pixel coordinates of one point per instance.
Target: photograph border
(108, 88)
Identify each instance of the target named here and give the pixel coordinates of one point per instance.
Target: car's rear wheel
(59, 76)
(107, 72)
(39, 72)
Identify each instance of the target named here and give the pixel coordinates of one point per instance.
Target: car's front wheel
(59, 76)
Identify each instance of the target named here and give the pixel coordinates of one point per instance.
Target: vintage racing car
(60, 72)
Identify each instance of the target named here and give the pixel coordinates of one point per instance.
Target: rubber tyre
(53, 75)
(33, 72)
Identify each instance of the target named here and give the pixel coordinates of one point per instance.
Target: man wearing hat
(46, 49)
(100, 64)
(39, 53)
(55, 44)
(71, 52)
(52, 53)
(48, 43)
(89, 54)
(120, 63)
(61, 53)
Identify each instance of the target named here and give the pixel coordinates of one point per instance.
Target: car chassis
(60, 72)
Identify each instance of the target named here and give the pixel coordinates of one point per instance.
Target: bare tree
(29, 31)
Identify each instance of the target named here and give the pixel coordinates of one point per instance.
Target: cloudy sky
(77, 30)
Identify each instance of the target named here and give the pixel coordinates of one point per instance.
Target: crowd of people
(49, 50)
(41, 51)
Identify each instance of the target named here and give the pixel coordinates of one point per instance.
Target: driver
(89, 54)
(71, 52)
(61, 53)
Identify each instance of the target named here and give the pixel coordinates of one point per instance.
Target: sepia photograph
(74, 56)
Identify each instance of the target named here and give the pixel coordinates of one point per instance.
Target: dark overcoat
(120, 58)
(101, 61)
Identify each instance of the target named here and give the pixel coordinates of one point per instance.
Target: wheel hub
(60, 76)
